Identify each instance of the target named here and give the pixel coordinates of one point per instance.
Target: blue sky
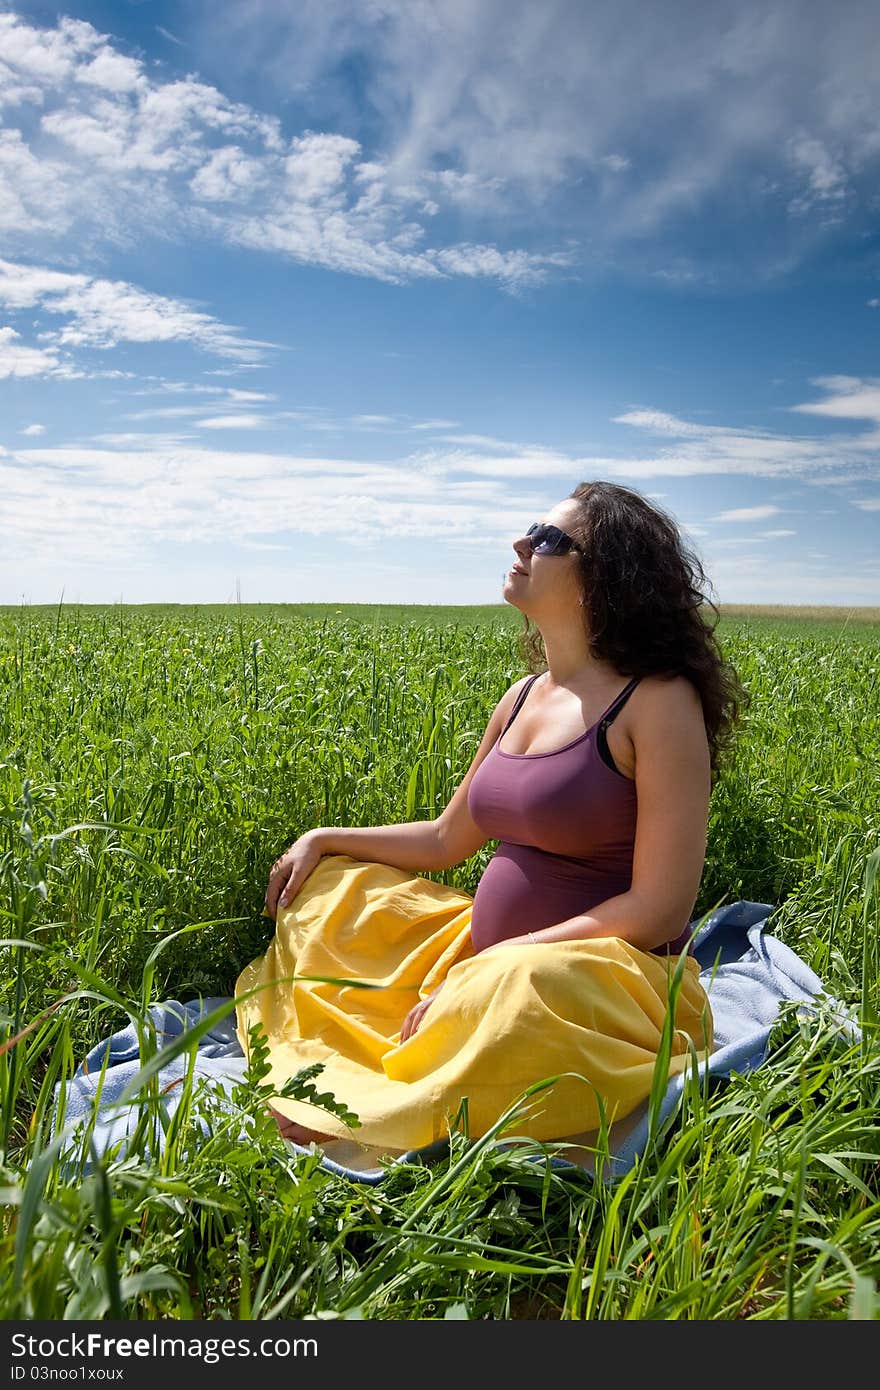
(328, 302)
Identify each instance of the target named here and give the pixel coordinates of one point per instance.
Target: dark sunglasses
(545, 539)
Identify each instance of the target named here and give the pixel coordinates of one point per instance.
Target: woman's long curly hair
(644, 601)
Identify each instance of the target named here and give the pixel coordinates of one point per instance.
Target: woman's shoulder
(528, 679)
(514, 692)
(660, 703)
(669, 686)
(519, 685)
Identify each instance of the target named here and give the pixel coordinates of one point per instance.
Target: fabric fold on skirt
(503, 1020)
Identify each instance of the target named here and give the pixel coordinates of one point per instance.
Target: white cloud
(36, 196)
(831, 459)
(868, 504)
(698, 450)
(166, 34)
(772, 535)
(747, 514)
(527, 107)
(23, 286)
(376, 244)
(123, 507)
(33, 430)
(537, 113)
(739, 578)
(102, 313)
(462, 189)
(827, 178)
(18, 360)
(658, 422)
(317, 164)
(478, 441)
(529, 461)
(166, 412)
(121, 502)
(112, 72)
(512, 268)
(230, 422)
(228, 174)
(851, 399)
(681, 275)
(121, 154)
(126, 440)
(163, 386)
(47, 55)
(535, 116)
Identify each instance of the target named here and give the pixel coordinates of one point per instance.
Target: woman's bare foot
(299, 1134)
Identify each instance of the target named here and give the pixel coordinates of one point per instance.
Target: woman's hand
(413, 1019)
(290, 871)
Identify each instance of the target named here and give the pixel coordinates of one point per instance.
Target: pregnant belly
(524, 889)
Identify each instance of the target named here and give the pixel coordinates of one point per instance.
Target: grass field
(155, 761)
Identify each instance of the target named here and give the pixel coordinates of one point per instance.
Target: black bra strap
(611, 712)
(519, 699)
(616, 705)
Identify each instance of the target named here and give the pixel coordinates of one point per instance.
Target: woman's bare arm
(422, 846)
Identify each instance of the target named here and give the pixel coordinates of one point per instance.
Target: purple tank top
(565, 822)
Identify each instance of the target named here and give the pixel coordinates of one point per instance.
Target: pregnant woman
(594, 776)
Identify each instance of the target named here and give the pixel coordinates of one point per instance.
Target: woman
(594, 774)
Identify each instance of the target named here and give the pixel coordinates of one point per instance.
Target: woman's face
(546, 583)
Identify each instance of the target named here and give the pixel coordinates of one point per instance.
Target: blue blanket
(747, 973)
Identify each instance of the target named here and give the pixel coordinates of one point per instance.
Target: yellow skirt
(505, 1018)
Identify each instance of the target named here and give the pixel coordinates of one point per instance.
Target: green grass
(155, 760)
